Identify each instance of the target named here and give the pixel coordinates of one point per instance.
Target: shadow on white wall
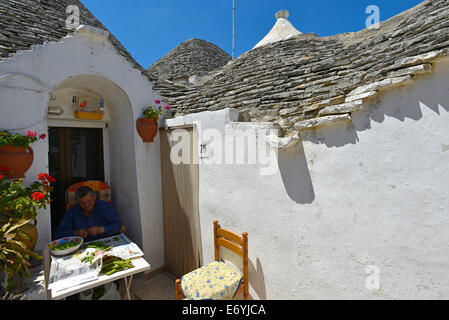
(295, 174)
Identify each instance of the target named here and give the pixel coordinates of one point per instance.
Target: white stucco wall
(370, 195)
(134, 166)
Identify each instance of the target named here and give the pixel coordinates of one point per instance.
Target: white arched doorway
(108, 143)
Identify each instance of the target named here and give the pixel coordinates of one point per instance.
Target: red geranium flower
(37, 196)
(4, 170)
(46, 176)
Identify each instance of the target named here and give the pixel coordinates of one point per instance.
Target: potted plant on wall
(18, 237)
(147, 126)
(16, 153)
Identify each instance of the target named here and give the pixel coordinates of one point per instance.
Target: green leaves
(14, 257)
(17, 201)
(151, 113)
(16, 140)
(18, 205)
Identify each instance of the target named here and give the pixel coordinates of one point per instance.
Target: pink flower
(167, 107)
(31, 134)
(42, 136)
(157, 101)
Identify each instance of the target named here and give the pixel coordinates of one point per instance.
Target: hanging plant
(18, 205)
(18, 140)
(147, 126)
(16, 153)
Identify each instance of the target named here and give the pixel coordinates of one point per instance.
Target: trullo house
(331, 152)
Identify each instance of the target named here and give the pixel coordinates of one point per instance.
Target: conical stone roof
(194, 57)
(306, 79)
(33, 22)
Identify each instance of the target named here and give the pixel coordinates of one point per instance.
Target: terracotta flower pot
(17, 159)
(147, 129)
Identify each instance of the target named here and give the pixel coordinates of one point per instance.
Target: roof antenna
(233, 29)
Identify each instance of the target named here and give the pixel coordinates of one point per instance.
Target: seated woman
(90, 219)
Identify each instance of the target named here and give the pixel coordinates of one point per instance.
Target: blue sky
(150, 29)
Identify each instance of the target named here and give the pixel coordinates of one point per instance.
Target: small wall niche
(77, 104)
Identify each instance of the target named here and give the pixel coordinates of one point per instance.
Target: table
(140, 265)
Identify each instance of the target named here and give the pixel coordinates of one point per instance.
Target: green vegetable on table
(64, 245)
(97, 245)
(89, 258)
(112, 265)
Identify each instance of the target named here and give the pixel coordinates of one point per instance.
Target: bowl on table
(65, 245)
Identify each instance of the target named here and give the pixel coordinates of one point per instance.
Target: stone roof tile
(308, 77)
(33, 22)
(192, 57)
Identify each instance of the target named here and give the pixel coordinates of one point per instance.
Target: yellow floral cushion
(215, 281)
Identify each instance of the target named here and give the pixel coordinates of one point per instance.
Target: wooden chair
(195, 285)
(101, 189)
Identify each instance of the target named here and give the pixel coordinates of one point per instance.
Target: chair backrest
(235, 243)
(102, 190)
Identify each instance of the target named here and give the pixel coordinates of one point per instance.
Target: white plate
(66, 251)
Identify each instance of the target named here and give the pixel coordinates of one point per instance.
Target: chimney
(282, 14)
(282, 30)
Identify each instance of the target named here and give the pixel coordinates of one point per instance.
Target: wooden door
(182, 237)
(75, 154)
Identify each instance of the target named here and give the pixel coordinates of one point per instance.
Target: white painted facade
(369, 194)
(87, 62)
(357, 210)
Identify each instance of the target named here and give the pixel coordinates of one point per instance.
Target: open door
(75, 154)
(182, 236)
